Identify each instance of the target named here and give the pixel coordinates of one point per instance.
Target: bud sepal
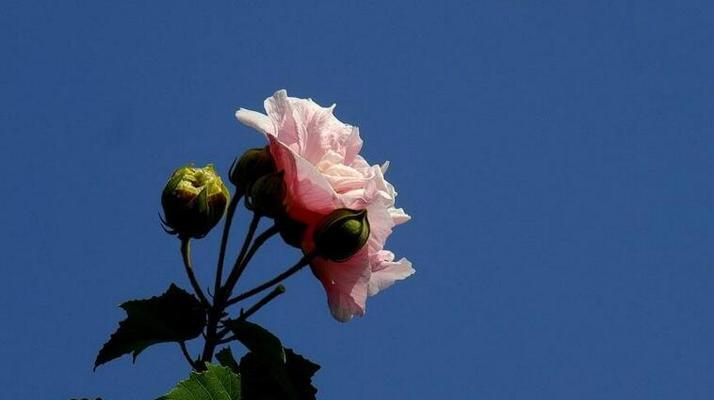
(194, 200)
(290, 230)
(342, 234)
(252, 165)
(266, 195)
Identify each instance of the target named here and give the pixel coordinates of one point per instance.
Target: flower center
(196, 180)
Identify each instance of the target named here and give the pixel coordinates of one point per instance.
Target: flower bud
(267, 194)
(194, 200)
(342, 234)
(253, 164)
(291, 231)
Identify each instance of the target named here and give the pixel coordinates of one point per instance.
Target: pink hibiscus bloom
(324, 172)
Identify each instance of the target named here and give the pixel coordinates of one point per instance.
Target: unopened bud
(267, 194)
(291, 231)
(342, 234)
(193, 200)
(253, 164)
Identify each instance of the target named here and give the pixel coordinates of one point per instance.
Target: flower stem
(238, 266)
(224, 242)
(186, 253)
(304, 261)
(280, 289)
(222, 295)
(186, 354)
(259, 241)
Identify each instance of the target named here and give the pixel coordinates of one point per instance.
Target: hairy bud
(266, 195)
(193, 200)
(342, 234)
(252, 165)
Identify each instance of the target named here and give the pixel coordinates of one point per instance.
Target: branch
(224, 242)
(186, 253)
(304, 261)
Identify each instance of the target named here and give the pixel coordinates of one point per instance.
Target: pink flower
(324, 172)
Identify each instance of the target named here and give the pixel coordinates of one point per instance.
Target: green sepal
(291, 231)
(253, 164)
(342, 234)
(202, 202)
(193, 200)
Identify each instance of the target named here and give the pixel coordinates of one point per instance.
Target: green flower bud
(290, 230)
(253, 164)
(194, 200)
(342, 234)
(266, 195)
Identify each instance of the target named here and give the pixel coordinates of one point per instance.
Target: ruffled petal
(343, 178)
(353, 145)
(310, 129)
(385, 271)
(256, 120)
(308, 192)
(380, 221)
(346, 284)
(280, 111)
(399, 216)
(319, 155)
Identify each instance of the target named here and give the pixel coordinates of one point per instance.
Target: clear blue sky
(557, 158)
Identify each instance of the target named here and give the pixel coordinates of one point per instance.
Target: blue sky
(556, 157)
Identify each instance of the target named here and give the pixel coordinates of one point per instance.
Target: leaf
(174, 316)
(225, 357)
(301, 371)
(270, 371)
(216, 383)
(258, 340)
(293, 380)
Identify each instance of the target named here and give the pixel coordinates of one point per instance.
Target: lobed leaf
(270, 371)
(216, 383)
(174, 316)
(225, 357)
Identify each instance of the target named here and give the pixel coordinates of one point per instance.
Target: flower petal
(308, 192)
(310, 129)
(279, 110)
(346, 284)
(399, 216)
(256, 120)
(319, 156)
(385, 271)
(380, 222)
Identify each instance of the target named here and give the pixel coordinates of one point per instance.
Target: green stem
(259, 241)
(239, 266)
(304, 261)
(224, 242)
(215, 312)
(186, 354)
(186, 254)
(280, 289)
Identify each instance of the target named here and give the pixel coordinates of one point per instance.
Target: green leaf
(225, 357)
(216, 383)
(293, 380)
(270, 371)
(174, 316)
(259, 340)
(301, 371)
